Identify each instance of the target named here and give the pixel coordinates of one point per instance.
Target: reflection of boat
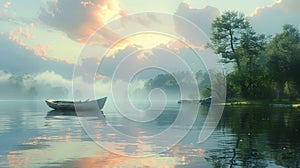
(59, 113)
(82, 105)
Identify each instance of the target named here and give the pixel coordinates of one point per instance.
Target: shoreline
(264, 102)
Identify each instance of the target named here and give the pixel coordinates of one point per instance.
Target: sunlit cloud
(42, 50)
(21, 37)
(79, 19)
(18, 35)
(257, 10)
(142, 41)
(270, 19)
(15, 36)
(6, 5)
(4, 11)
(22, 59)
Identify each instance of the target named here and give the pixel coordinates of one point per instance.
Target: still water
(32, 135)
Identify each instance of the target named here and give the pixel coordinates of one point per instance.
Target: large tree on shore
(283, 53)
(238, 43)
(227, 31)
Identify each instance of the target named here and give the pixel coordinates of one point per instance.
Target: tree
(283, 53)
(253, 73)
(227, 31)
(237, 42)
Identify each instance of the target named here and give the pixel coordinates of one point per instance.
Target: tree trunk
(238, 63)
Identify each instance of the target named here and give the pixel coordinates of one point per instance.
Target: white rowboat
(78, 105)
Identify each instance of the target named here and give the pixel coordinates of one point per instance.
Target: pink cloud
(27, 35)
(79, 19)
(86, 3)
(21, 36)
(123, 12)
(6, 5)
(4, 13)
(16, 36)
(42, 50)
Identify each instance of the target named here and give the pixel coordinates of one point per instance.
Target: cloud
(132, 58)
(270, 19)
(79, 19)
(18, 59)
(202, 18)
(41, 50)
(6, 5)
(4, 11)
(20, 34)
(16, 37)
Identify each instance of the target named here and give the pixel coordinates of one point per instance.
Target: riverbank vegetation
(265, 67)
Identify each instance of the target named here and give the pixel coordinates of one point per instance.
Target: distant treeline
(27, 86)
(168, 83)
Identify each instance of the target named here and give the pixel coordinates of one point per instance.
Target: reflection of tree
(259, 135)
(285, 139)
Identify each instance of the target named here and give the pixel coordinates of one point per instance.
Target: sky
(42, 36)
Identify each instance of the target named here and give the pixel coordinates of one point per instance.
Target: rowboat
(78, 105)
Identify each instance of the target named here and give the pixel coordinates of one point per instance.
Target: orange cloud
(80, 19)
(41, 50)
(4, 12)
(27, 35)
(123, 12)
(6, 5)
(21, 35)
(16, 36)
(257, 10)
(86, 3)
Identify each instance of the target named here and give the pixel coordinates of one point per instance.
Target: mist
(50, 85)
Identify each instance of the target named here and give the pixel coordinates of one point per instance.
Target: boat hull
(70, 105)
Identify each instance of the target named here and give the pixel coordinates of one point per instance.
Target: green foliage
(262, 69)
(237, 42)
(283, 54)
(227, 31)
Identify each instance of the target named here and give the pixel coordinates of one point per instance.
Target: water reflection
(245, 137)
(262, 136)
(60, 113)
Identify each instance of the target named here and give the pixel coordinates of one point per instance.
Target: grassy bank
(241, 101)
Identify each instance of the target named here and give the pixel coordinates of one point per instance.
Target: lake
(247, 136)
